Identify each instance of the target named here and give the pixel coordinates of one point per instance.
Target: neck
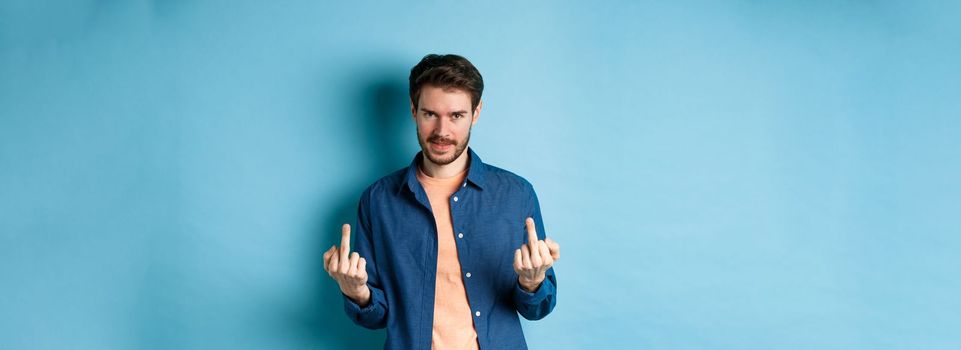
(444, 171)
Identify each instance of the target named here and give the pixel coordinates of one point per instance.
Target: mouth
(440, 147)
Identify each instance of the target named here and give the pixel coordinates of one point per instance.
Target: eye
(458, 116)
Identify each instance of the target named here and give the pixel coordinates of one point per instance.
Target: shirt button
(477, 314)
(455, 198)
(468, 275)
(464, 185)
(460, 235)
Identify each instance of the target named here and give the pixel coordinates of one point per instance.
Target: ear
(413, 111)
(477, 112)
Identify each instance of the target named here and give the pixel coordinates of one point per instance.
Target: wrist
(529, 286)
(360, 295)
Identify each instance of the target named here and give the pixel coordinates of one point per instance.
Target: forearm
(370, 313)
(536, 303)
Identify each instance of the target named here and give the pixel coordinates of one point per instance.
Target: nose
(444, 126)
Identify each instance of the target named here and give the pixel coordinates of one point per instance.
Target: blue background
(721, 175)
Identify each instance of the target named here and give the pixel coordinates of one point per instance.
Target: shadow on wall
(385, 129)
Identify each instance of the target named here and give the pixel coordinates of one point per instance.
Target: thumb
(554, 248)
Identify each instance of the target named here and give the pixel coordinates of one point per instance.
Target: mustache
(440, 140)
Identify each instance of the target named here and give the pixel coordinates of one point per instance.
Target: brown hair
(446, 71)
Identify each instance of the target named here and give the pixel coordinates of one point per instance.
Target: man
(448, 249)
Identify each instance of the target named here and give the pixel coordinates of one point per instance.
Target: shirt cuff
(546, 288)
(354, 307)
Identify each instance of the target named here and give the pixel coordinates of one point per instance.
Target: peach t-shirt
(453, 324)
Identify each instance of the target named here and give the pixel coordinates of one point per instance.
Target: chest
(486, 229)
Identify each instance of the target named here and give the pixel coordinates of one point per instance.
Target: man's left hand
(533, 259)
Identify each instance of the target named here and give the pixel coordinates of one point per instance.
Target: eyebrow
(454, 112)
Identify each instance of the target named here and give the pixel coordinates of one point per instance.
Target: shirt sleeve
(374, 314)
(540, 303)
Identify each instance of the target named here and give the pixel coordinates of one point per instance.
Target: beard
(441, 159)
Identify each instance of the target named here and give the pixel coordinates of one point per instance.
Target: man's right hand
(348, 269)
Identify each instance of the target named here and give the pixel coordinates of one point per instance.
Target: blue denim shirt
(396, 233)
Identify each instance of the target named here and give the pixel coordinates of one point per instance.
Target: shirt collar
(475, 172)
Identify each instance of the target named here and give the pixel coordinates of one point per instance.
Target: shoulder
(385, 186)
(505, 179)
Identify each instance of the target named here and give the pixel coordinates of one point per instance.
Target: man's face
(444, 120)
